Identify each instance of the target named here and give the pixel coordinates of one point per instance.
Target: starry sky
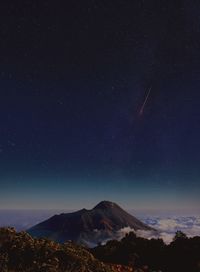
(74, 76)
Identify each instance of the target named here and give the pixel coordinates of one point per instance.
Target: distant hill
(88, 227)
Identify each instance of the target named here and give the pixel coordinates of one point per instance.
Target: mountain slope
(90, 227)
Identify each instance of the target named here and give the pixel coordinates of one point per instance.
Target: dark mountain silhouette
(90, 227)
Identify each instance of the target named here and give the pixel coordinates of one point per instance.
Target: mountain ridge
(99, 224)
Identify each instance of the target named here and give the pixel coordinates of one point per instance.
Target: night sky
(100, 100)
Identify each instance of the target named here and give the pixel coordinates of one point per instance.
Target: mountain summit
(108, 205)
(104, 222)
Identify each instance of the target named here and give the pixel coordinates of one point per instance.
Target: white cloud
(167, 227)
(122, 232)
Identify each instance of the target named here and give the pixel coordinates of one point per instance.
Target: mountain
(90, 227)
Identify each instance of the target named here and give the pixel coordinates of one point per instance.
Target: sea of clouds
(166, 225)
(166, 228)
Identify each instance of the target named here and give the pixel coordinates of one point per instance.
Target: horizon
(137, 210)
(167, 223)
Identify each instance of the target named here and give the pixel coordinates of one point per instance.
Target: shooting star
(145, 102)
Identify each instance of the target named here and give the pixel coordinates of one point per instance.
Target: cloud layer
(167, 227)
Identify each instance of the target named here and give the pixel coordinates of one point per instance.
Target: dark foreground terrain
(182, 255)
(19, 252)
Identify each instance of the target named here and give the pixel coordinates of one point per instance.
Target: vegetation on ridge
(181, 255)
(19, 252)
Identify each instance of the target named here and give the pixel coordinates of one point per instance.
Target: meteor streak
(145, 101)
